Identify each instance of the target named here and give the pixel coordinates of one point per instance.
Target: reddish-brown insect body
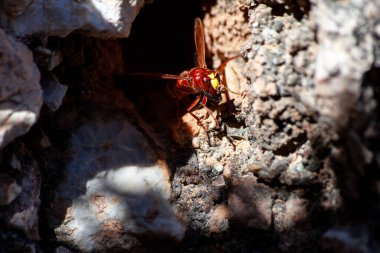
(197, 81)
(204, 82)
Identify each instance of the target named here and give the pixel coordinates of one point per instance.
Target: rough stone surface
(116, 191)
(226, 30)
(103, 19)
(61, 249)
(352, 44)
(293, 166)
(281, 133)
(289, 214)
(105, 186)
(22, 214)
(219, 220)
(53, 92)
(21, 95)
(9, 189)
(13, 242)
(196, 197)
(46, 58)
(250, 204)
(350, 238)
(13, 9)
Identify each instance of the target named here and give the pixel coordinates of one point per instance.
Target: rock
(102, 19)
(14, 242)
(21, 95)
(46, 58)
(353, 238)
(53, 92)
(345, 54)
(185, 131)
(114, 190)
(274, 178)
(250, 203)
(22, 213)
(15, 163)
(288, 215)
(263, 88)
(61, 249)
(296, 174)
(198, 196)
(234, 79)
(225, 26)
(271, 69)
(256, 167)
(219, 219)
(45, 142)
(9, 189)
(195, 202)
(274, 170)
(13, 9)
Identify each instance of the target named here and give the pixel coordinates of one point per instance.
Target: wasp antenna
(221, 67)
(233, 92)
(157, 75)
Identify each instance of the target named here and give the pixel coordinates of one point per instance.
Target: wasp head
(213, 79)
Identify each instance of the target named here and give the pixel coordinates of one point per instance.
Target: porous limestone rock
(346, 52)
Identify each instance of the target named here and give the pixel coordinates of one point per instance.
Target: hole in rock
(161, 40)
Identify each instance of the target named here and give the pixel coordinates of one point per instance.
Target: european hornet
(204, 82)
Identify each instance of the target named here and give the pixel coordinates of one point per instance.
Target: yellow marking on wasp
(214, 81)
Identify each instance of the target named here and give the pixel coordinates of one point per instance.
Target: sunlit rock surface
(20, 92)
(59, 18)
(114, 190)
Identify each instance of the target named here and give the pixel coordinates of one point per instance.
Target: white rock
(99, 18)
(116, 190)
(20, 92)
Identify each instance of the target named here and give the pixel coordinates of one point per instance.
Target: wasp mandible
(200, 80)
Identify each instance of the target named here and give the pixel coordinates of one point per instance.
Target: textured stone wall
(94, 160)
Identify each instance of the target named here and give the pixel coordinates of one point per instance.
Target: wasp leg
(203, 103)
(191, 107)
(193, 104)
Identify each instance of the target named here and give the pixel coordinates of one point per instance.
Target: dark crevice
(291, 145)
(296, 8)
(161, 40)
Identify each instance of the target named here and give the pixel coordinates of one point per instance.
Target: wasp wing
(199, 38)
